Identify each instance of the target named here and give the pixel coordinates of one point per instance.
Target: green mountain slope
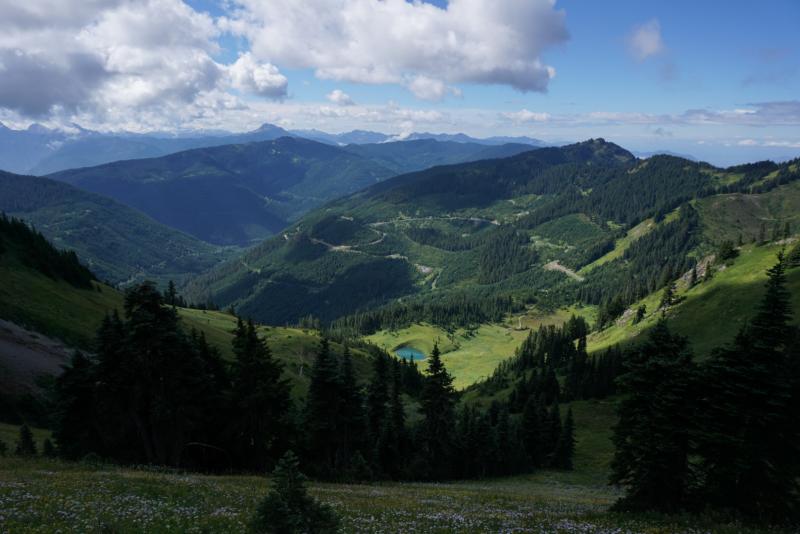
(450, 239)
(118, 243)
(232, 194)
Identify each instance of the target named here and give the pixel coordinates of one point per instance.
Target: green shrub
(288, 509)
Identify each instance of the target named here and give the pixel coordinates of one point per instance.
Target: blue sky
(716, 79)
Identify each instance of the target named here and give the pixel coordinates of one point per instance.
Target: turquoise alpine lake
(409, 353)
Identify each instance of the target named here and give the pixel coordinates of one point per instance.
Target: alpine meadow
(399, 266)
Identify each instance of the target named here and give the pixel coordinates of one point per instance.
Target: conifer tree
(171, 295)
(48, 450)
(533, 432)
(322, 409)
(393, 442)
(288, 508)
(351, 413)
(76, 429)
(652, 435)
(26, 446)
(378, 396)
(260, 399)
(749, 431)
(438, 409)
(553, 433)
(565, 447)
(668, 297)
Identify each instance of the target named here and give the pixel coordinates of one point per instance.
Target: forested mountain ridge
(118, 243)
(232, 194)
(488, 238)
(414, 155)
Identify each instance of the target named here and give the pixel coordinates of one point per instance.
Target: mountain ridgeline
(233, 194)
(118, 243)
(468, 243)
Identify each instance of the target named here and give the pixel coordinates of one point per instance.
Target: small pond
(409, 353)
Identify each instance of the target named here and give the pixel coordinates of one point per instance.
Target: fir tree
(668, 297)
(260, 399)
(48, 450)
(75, 431)
(322, 409)
(652, 435)
(351, 414)
(393, 441)
(532, 432)
(438, 409)
(26, 446)
(641, 311)
(288, 509)
(378, 395)
(565, 447)
(749, 432)
(171, 295)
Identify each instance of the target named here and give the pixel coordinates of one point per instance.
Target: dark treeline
(448, 310)
(155, 394)
(723, 433)
(37, 253)
(552, 365)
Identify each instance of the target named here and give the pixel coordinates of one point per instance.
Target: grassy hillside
(119, 244)
(710, 313)
(295, 347)
(60, 310)
(232, 194)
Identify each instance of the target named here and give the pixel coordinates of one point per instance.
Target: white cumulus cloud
(339, 97)
(262, 79)
(414, 44)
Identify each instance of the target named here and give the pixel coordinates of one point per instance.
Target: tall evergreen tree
(438, 409)
(351, 413)
(322, 410)
(76, 431)
(26, 446)
(393, 442)
(378, 396)
(565, 446)
(749, 436)
(260, 400)
(533, 434)
(652, 435)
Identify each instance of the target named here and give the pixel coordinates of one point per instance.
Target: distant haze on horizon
(718, 82)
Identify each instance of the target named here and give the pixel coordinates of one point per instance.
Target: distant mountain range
(39, 150)
(360, 137)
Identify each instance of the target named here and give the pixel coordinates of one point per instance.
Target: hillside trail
(494, 222)
(555, 266)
